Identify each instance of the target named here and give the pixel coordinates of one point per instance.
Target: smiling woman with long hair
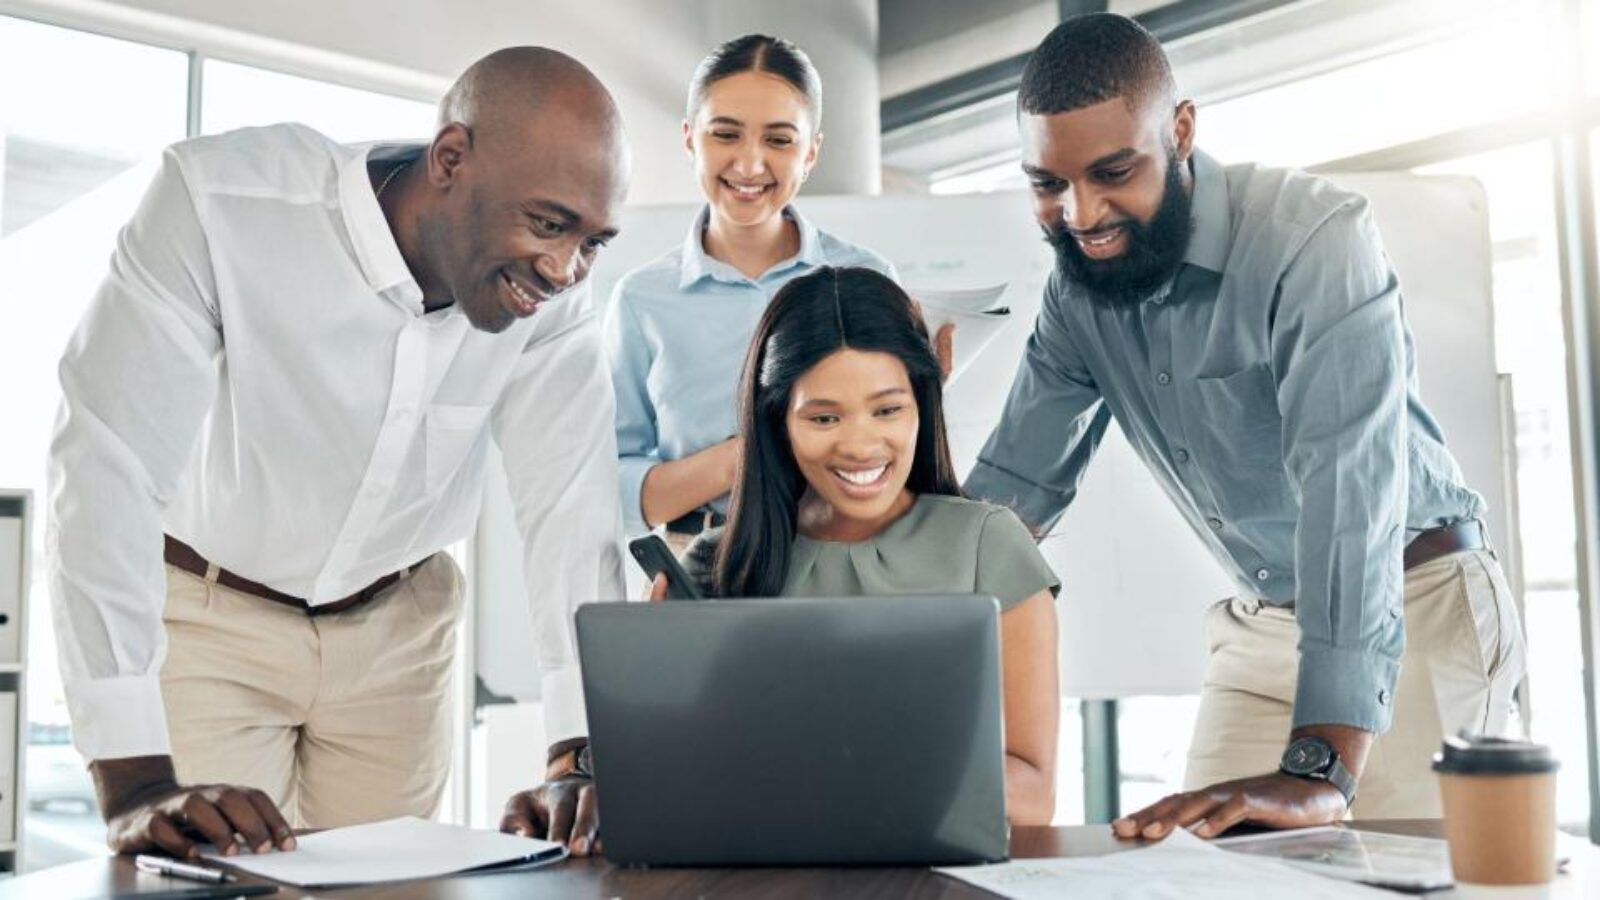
(845, 488)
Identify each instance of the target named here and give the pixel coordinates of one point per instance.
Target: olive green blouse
(942, 545)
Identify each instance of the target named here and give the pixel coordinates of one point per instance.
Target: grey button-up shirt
(1271, 388)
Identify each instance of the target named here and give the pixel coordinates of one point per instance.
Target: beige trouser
(340, 718)
(1464, 657)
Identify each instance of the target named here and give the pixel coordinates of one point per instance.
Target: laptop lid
(864, 730)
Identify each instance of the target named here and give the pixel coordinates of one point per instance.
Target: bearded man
(1244, 328)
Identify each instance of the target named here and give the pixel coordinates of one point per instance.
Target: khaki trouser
(340, 719)
(1464, 657)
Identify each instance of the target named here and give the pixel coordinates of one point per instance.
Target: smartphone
(655, 558)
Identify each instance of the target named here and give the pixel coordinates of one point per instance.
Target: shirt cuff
(113, 718)
(1345, 687)
(1037, 507)
(631, 490)
(562, 692)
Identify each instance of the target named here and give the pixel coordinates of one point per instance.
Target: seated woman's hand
(944, 348)
(657, 591)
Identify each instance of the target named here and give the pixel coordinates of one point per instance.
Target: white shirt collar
(370, 237)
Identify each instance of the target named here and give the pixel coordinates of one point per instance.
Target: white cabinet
(13, 565)
(16, 510)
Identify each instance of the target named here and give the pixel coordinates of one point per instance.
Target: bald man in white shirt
(277, 413)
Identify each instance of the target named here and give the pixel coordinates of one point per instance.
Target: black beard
(1155, 250)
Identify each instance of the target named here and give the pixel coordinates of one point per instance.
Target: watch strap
(1334, 773)
(1341, 777)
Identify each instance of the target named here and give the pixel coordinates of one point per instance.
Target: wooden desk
(599, 879)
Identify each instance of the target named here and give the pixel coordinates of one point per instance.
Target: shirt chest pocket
(1238, 416)
(452, 432)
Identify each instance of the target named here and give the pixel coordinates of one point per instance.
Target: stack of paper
(1182, 867)
(395, 850)
(976, 312)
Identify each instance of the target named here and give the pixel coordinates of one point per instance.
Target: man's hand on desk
(1276, 801)
(146, 809)
(564, 809)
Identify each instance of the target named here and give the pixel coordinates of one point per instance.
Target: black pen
(167, 866)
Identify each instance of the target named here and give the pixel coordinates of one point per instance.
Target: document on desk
(976, 312)
(394, 850)
(1182, 867)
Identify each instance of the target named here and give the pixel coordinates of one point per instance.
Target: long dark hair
(811, 318)
(758, 53)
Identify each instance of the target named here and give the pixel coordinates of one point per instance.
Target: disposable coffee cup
(1499, 809)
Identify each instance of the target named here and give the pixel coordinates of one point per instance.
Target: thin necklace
(378, 195)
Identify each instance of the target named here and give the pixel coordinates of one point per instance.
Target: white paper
(1182, 867)
(977, 314)
(393, 850)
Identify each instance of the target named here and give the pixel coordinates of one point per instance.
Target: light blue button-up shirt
(1271, 388)
(676, 331)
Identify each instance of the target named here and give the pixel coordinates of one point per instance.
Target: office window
(1069, 764)
(1590, 25)
(236, 96)
(77, 146)
(1530, 346)
(1153, 746)
(1432, 89)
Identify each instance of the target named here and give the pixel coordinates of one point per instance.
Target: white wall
(644, 51)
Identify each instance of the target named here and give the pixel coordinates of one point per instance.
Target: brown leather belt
(1443, 541)
(185, 557)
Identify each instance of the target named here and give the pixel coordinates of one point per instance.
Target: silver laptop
(858, 731)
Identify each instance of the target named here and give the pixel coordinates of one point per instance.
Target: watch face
(1307, 756)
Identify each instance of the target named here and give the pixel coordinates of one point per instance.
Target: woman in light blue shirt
(676, 329)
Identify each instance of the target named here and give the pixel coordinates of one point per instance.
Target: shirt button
(1216, 524)
(1383, 696)
(1262, 574)
(1182, 455)
(1163, 378)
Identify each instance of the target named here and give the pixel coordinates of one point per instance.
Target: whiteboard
(1136, 580)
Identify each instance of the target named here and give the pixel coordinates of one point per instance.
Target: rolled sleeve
(561, 691)
(1338, 352)
(631, 471)
(1033, 503)
(121, 717)
(628, 356)
(1345, 687)
(1052, 423)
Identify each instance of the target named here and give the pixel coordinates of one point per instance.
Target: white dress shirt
(258, 378)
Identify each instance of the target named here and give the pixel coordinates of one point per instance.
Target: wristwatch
(583, 764)
(1314, 759)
